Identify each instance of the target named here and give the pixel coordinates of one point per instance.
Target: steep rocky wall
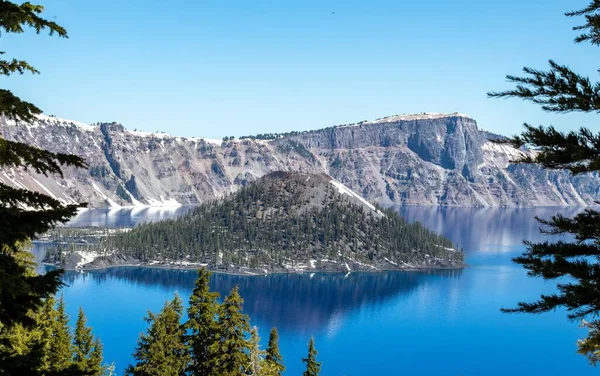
(419, 159)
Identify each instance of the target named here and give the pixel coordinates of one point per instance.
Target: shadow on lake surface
(297, 302)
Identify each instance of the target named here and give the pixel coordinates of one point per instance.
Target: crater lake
(439, 322)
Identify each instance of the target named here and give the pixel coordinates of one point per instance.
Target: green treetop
(87, 349)
(312, 366)
(46, 348)
(161, 351)
(256, 366)
(202, 328)
(273, 356)
(232, 357)
(61, 347)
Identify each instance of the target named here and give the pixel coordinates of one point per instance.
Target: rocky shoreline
(321, 266)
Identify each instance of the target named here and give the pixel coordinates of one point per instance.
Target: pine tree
(256, 355)
(231, 350)
(273, 357)
(312, 366)
(20, 293)
(162, 350)
(43, 332)
(95, 366)
(562, 90)
(202, 325)
(23, 293)
(24, 347)
(87, 350)
(42, 349)
(60, 351)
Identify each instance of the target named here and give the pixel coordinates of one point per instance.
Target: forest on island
(284, 221)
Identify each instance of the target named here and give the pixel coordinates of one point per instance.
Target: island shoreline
(251, 273)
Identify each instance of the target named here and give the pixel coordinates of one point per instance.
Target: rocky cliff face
(426, 159)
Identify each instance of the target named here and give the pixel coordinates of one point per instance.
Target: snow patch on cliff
(500, 155)
(43, 120)
(105, 197)
(169, 202)
(345, 190)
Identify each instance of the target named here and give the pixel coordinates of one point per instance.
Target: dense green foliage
(20, 293)
(48, 347)
(273, 356)
(216, 340)
(202, 329)
(312, 366)
(162, 350)
(61, 345)
(284, 219)
(233, 354)
(88, 350)
(34, 335)
(576, 262)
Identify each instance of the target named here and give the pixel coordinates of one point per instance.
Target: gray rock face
(425, 159)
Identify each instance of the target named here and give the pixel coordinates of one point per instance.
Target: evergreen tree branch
(584, 226)
(21, 293)
(577, 261)
(562, 249)
(579, 300)
(16, 198)
(16, 154)
(561, 90)
(14, 16)
(20, 66)
(19, 225)
(13, 108)
(557, 90)
(576, 151)
(592, 24)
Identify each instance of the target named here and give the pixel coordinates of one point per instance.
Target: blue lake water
(393, 323)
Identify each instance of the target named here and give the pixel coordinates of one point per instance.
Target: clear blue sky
(231, 67)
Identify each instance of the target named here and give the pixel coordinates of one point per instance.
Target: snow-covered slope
(428, 159)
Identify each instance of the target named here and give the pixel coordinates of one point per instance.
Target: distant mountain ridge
(420, 159)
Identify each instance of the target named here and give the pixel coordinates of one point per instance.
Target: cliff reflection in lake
(484, 229)
(296, 302)
(125, 217)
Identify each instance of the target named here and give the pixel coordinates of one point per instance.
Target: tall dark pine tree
(162, 350)
(87, 349)
(312, 366)
(202, 328)
(21, 293)
(561, 90)
(273, 357)
(231, 351)
(60, 352)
